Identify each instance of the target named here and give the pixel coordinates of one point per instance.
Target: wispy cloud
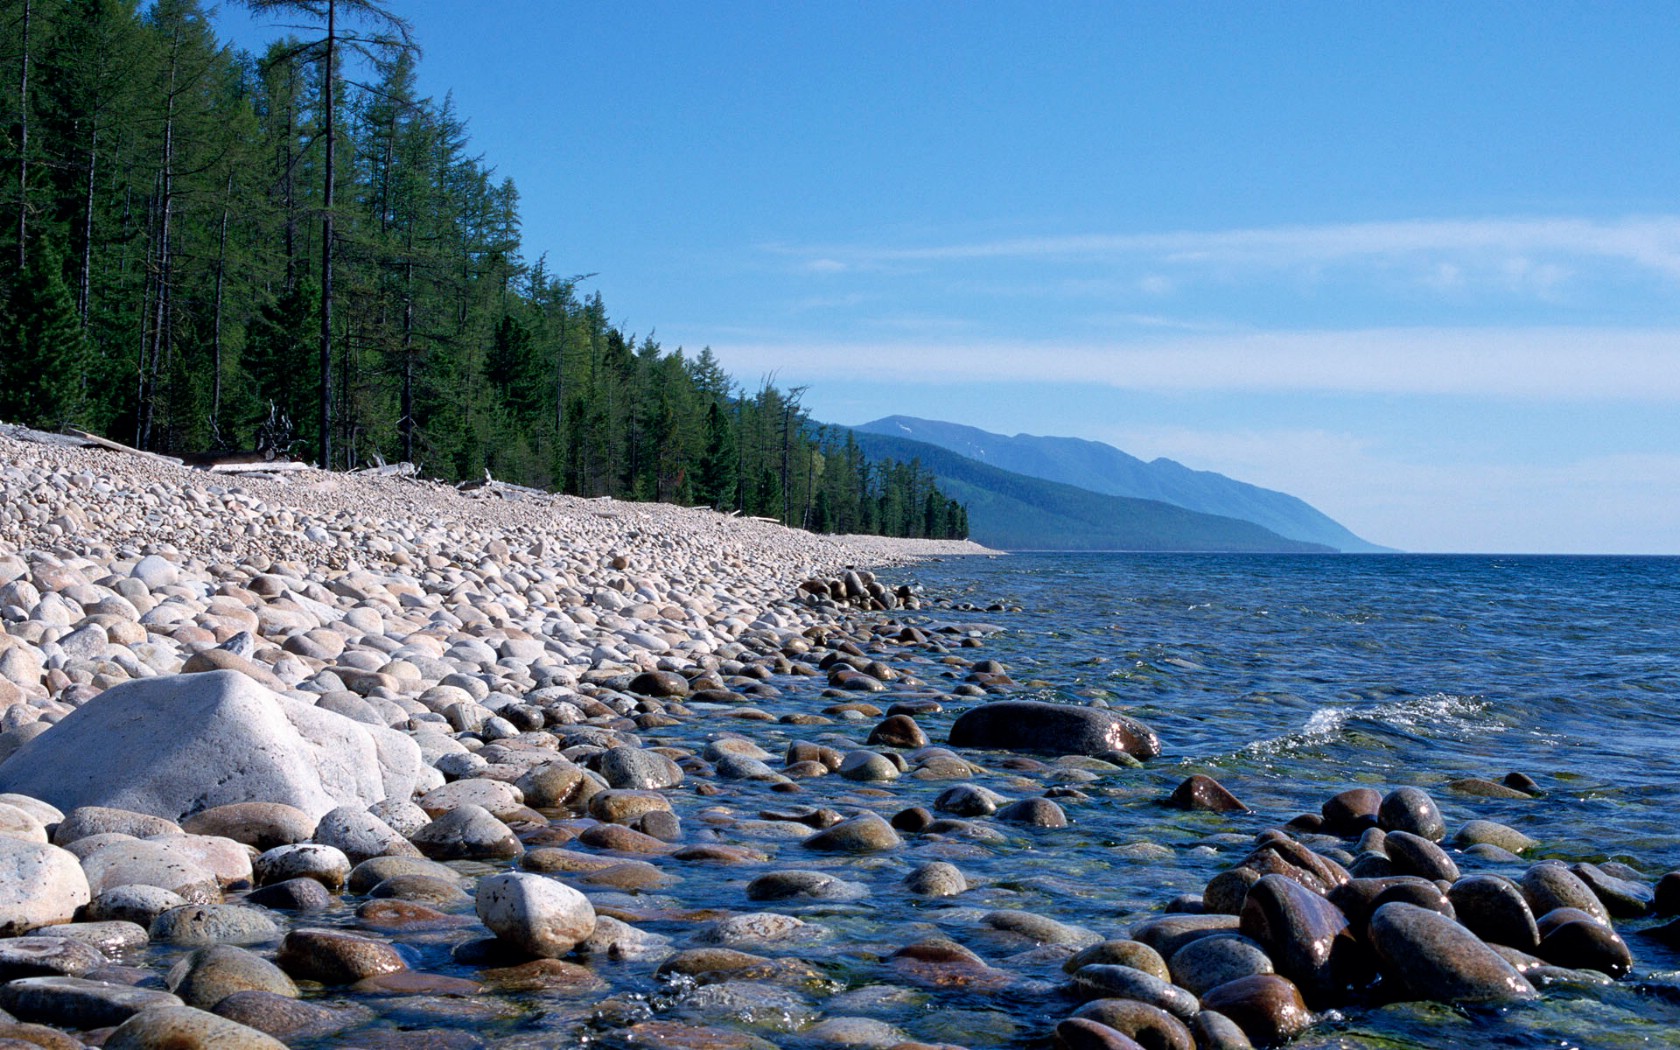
(1652, 242)
(1555, 364)
(1530, 255)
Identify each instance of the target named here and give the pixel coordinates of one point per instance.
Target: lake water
(1292, 678)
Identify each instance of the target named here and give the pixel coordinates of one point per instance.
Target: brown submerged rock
(1063, 729)
(1494, 909)
(1082, 1033)
(1306, 937)
(1150, 1026)
(1352, 811)
(1268, 1008)
(1205, 794)
(1435, 957)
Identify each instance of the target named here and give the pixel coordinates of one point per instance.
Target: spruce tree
(46, 362)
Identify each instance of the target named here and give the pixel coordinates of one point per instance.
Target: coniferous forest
(208, 249)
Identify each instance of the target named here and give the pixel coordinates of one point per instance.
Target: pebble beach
(365, 761)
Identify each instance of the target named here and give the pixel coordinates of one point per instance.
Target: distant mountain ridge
(1012, 511)
(1105, 469)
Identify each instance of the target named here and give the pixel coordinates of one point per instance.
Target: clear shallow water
(1292, 678)
(1289, 679)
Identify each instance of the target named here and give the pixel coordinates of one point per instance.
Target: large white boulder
(174, 745)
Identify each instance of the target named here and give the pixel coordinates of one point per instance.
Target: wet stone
(1306, 936)
(1112, 981)
(334, 957)
(300, 894)
(1205, 964)
(814, 885)
(287, 1018)
(72, 1002)
(1415, 855)
(205, 977)
(1150, 1026)
(1411, 809)
(1549, 885)
(1204, 794)
(1495, 910)
(1082, 1033)
(1622, 898)
(1585, 944)
(1351, 812)
(1437, 958)
(206, 924)
(46, 957)
(863, 833)
(936, 879)
(1034, 812)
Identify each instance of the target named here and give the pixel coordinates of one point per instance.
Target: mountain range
(1056, 493)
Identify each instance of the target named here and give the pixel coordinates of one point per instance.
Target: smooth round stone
(1038, 929)
(370, 873)
(754, 929)
(816, 885)
(16, 823)
(1267, 1008)
(206, 924)
(1214, 1031)
(1415, 855)
(469, 832)
(553, 785)
(624, 805)
(1489, 833)
(300, 894)
(969, 800)
(1306, 936)
(136, 903)
(936, 879)
(75, 1002)
(1149, 1025)
(854, 1031)
(205, 977)
(1082, 1033)
(498, 797)
(1494, 909)
(1171, 932)
(40, 885)
(1224, 894)
(287, 1018)
(864, 833)
(1136, 954)
(95, 820)
(543, 975)
(1358, 898)
(1437, 958)
(47, 957)
(426, 889)
(1034, 812)
(1061, 729)
(1205, 964)
(868, 766)
(899, 730)
(1113, 981)
(1202, 793)
(1585, 944)
(262, 825)
(538, 915)
(1549, 885)
(1411, 809)
(659, 684)
(109, 937)
(360, 835)
(149, 863)
(186, 1028)
(325, 864)
(636, 768)
(1623, 898)
(662, 824)
(334, 957)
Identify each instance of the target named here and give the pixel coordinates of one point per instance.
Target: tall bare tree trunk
(23, 149)
(84, 286)
(327, 246)
(166, 208)
(216, 330)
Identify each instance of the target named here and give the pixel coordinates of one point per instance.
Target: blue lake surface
(1291, 678)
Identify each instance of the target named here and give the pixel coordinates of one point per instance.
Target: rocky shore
(320, 760)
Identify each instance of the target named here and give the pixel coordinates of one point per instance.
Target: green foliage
(45, 359)
(172, 291)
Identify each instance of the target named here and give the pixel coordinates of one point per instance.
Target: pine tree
(46, 360)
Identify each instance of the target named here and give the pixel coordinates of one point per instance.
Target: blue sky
(1418, 264)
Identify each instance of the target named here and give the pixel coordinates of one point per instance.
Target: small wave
(1436, 715)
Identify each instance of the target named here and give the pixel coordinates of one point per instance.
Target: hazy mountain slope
(1103, 468)
(1017, 512)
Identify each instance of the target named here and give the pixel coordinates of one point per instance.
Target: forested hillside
(200, 238)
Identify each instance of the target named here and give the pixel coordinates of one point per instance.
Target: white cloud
(1557, 364)
(1651, 242)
